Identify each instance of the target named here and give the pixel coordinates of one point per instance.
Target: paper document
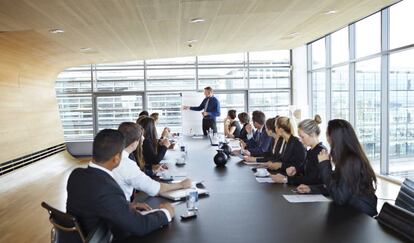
(252, 163)
(264, 180)
(150, 211)
(306, 198)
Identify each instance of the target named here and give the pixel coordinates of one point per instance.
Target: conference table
(239, 209)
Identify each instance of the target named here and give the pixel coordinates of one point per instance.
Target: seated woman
(153, 150)
(274, 153)
(231, 126)
(353, 182)
(309, 133)
(292, 151)
(244, 119)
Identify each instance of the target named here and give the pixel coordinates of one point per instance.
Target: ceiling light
(85, 49)
(331, 12)
(294, 34)
(192, 41)
(197, 20)
(56, 31)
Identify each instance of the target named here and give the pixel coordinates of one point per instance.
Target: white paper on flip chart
(264, 180)
(306, 198)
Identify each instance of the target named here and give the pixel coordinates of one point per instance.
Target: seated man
(128, 174)
(257, 142)
(94, 196)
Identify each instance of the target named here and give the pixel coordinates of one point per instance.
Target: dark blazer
(259, 144)
(309, 175)
(213, 107)
(94, 196)
(272, 155)
(243, 133)
(342, 193)
(293, 154)
(152, 157)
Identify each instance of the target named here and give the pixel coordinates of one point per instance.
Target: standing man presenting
(211, 110)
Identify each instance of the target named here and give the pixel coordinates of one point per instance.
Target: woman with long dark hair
(353, 182)
(153, 149)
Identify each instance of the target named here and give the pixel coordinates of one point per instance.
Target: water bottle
(192, 199)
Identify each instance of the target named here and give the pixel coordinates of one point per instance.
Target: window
(113, 110)
(76, 116)
(318, 53)
(368, 35)
(340, 93)
(168, 105)
(271, 103)
(401, 32)
(115, 77)
(74, 80)
(171, 74)
(401, 114)
(340, 47)
(228, 71)
(233, 101)
(319, 94)
(114, 92)
(368, 107)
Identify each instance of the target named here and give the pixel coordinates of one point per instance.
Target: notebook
(181, 194)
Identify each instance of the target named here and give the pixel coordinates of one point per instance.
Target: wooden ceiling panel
(118, 30)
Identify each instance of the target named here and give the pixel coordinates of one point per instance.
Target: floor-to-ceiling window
(371, 84)
(98, 96)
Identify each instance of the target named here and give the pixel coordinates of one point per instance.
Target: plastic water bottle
(192, 199)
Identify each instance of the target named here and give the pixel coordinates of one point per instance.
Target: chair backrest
(398, 220)
(65, 227)
(405, 198)
(101, 234)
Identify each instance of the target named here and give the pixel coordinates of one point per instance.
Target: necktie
(205, 107)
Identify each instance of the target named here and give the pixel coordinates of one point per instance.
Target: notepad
(306, 198)
(264, 180)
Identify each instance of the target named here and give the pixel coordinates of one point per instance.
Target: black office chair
(405, 198)
(398, 220)
(66, 229)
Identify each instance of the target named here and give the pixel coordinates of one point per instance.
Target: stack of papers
(306, 198)
(264, 180)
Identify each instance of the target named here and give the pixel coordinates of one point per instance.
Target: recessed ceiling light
(294, 34)
(197, 20)
(56, 31)
(331, 12)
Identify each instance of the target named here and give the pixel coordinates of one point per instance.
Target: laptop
(181, 194)
(214, 141)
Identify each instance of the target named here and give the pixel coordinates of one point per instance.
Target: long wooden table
(239, 209)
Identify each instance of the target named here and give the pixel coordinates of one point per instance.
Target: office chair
(405, 198)
(398, 220)
(66, 229)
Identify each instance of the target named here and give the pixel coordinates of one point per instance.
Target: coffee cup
(262, 172)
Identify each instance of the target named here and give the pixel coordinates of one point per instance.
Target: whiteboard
(191, 120)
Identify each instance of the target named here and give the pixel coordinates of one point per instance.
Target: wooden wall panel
(29, 119)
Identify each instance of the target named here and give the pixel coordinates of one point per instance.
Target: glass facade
(370, 84)
(98, 96)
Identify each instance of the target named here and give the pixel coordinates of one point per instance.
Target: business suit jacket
(341, 192)
(260, 143)
(213, 107)
(152, 157)
(310, 174)
(272, 154)
(94, 196)
(293, 154)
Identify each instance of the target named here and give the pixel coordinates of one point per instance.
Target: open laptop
(181, 194)
(214, 141)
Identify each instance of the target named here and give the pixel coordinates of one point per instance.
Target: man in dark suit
(258, 142)
(94, 196)
(211, 107)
